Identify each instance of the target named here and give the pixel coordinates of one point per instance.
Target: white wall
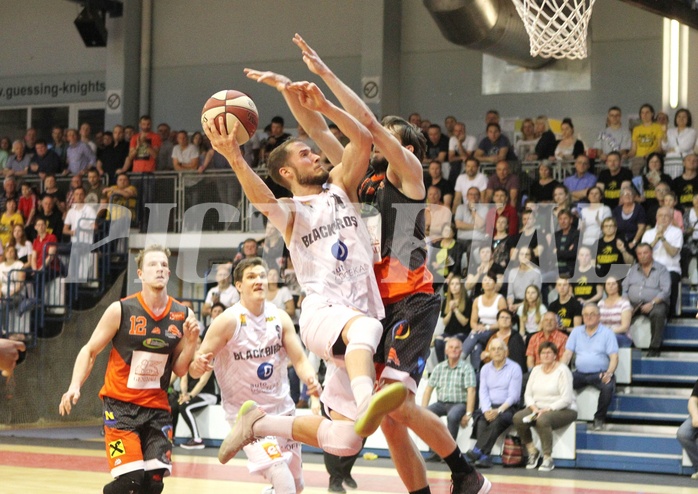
(201, 47)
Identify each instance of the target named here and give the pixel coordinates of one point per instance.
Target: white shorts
(321, 324)
(337, 394)
(270, 450)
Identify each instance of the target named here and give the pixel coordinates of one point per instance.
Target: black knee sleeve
(128, 483)
(153, 481)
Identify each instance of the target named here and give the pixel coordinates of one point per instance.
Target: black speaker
(92, 28)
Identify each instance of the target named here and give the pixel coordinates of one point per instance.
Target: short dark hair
(547, 344)
(40, 141)
(505, 311)
(493, 124)
(651, 108)
(408, 134)
(248, 262)
(614, 153)
(278, 120)
(568, 121)
(689, 117)
(277, 160)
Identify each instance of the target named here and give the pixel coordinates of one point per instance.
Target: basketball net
(556, 28)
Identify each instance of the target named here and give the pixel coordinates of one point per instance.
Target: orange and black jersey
(402, 269)
(141, 359)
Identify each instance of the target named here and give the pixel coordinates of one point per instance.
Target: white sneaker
(533, 460)
(529, 418)
(547, 465)
(268, 490)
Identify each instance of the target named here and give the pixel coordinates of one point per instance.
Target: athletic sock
(423, 490)
(274, 425)
(457, 463)
(362, 388)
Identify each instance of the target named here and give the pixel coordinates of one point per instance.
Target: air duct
(490, 26)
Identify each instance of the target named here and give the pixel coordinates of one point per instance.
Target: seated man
(596, 357)
(666, 242)
(454, 381)
(688, 432)
(648, 287)
(580, 183)
(500, 392)
(567, 308)
(550, 331)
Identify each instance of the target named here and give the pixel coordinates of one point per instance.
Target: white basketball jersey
(331, 252)
(253, 364)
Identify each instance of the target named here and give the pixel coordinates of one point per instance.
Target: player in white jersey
(333, 263)
(411, 309)
(252, 343)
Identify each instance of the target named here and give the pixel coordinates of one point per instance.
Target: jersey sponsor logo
(393, 358)
(341, 273)
(154, 343)
(401, 331)
(116, 448)
(270, 318)
(177, 316)
(243, 320)
(340, 250)
(265, 371)
(173, 332)
(155, 331)
(258, 352)
(168, 433)
(147, 369)
(330, 230)
(272, 450)
(109, 419)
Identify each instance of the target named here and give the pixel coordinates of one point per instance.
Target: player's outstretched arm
(184, 352)
(254, 187)
(313, 122)
(405, 170)
(294, 349)
(355, 157)
(105, 331)
(219, 333)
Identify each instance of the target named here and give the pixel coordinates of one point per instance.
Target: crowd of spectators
(525, 229)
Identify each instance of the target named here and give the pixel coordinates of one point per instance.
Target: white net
(556, 28)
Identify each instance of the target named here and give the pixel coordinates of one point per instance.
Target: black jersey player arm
(404, 169)
(313, 122)
(355, 156)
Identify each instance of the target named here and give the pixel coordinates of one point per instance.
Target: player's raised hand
(310, 57)
(202, 363)
(191, 329)
(68, 399)
(223, 140)
(309, 95)
(278, 81)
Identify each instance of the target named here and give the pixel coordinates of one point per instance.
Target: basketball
(235, 106)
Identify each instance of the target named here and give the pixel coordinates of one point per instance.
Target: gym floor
(71, 460)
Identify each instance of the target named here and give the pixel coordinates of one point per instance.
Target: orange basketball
(235, 106)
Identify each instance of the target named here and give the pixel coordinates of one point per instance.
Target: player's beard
(320, 179)
(379, 164)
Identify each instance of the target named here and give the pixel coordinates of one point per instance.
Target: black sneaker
(193, 444)
(350, 483)
(484, 462)
(470, 483)
(336, 486)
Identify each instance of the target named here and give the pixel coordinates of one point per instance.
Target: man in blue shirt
(500, 392)
(580, 183)
(596, 357)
